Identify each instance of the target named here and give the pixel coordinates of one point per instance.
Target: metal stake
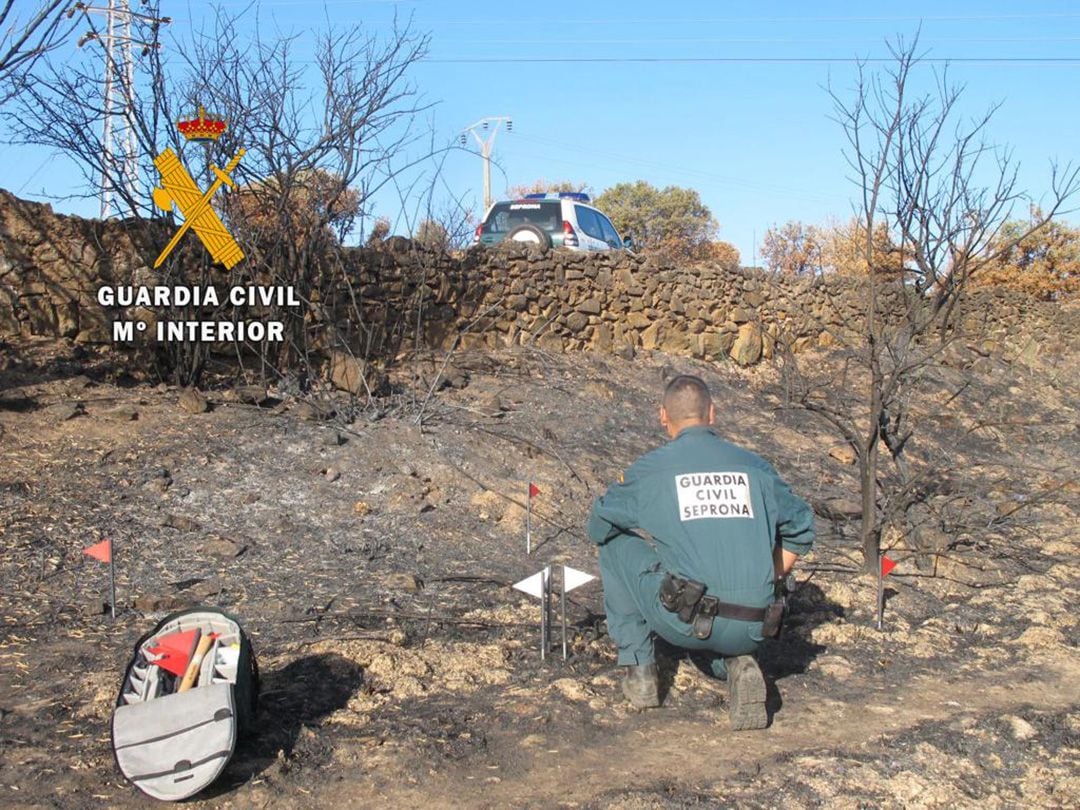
(880, 594)
(543, 613)
(528, 519)
(112, 578)
(562, 599)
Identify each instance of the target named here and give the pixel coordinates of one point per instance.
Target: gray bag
(172, 744)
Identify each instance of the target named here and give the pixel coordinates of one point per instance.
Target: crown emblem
(204, 128)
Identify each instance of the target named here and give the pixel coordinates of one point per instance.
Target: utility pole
(118, 142)
(491, 126)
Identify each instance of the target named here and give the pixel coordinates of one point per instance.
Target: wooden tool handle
(192, 673)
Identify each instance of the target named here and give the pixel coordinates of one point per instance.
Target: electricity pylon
(490, 125)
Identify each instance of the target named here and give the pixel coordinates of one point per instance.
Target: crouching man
(692, 541)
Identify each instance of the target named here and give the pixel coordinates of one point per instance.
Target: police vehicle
(563, 219)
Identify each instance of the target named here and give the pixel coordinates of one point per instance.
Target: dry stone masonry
(51, 267)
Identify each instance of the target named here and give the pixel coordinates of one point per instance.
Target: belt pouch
(774, 619)
(702, 626)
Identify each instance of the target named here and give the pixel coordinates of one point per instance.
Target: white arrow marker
(572, 578)
(539, 585)
(534, 585)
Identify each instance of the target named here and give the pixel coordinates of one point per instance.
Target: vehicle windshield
(505, 216)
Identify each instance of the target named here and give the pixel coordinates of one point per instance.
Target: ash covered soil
(371, 560)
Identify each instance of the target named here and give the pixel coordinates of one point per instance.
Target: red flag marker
(534, 490)
(887, 565)
(174, 651)
(102, 552)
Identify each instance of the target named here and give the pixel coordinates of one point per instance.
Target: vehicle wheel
(530, 235)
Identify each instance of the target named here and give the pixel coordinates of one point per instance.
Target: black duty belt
(687, 598)
(711, 606)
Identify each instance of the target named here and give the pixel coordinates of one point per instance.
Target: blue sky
(730, 101)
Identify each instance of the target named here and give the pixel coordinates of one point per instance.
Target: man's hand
(783, 561)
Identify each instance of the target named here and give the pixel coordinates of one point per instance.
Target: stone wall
(51, 267)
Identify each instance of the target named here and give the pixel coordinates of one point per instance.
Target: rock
(679, 342)
(219, 546)
(121, 413)
(95, 607)
(551, 343)
(64, 411)
(716, 345)
(576, 321)
(1021, 728)
(843, 453)
(402, 582)
(747, 347)
(160, 480)
(602, 338)
(354, 376)
(312, 412)
(490, 403)
(157, 603)
(453, 377)
(193, 402)
(335, 438)
(251, 395)
(650, 337)
(838, 508)
(180, 523)
(332, 473)
(200, 588)
(590, 306)
(740, 315)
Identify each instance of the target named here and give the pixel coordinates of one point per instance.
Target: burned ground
(370, 558)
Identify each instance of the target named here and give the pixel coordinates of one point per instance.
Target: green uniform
(713, 513)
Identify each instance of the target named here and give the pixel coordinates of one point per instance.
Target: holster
(681, 596)
(774, 618)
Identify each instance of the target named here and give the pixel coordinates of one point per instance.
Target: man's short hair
(687, 397)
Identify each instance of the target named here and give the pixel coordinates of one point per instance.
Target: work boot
(746, 694)
(641, 685)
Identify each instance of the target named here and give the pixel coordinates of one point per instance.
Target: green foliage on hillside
(672, 222)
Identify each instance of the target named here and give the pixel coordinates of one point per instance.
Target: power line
(731, 20)
(734, 40)
(971, 60)
(679, 170)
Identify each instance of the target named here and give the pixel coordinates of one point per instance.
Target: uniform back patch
(714, 495)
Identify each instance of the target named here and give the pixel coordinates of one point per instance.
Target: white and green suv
(563, 219)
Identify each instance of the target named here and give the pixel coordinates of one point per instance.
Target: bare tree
(943, 193)
(60, 105)
(319, 144)
(25, 40)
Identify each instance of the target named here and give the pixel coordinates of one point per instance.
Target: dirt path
(685, 758)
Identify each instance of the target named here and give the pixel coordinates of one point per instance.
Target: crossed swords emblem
(180, 189)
